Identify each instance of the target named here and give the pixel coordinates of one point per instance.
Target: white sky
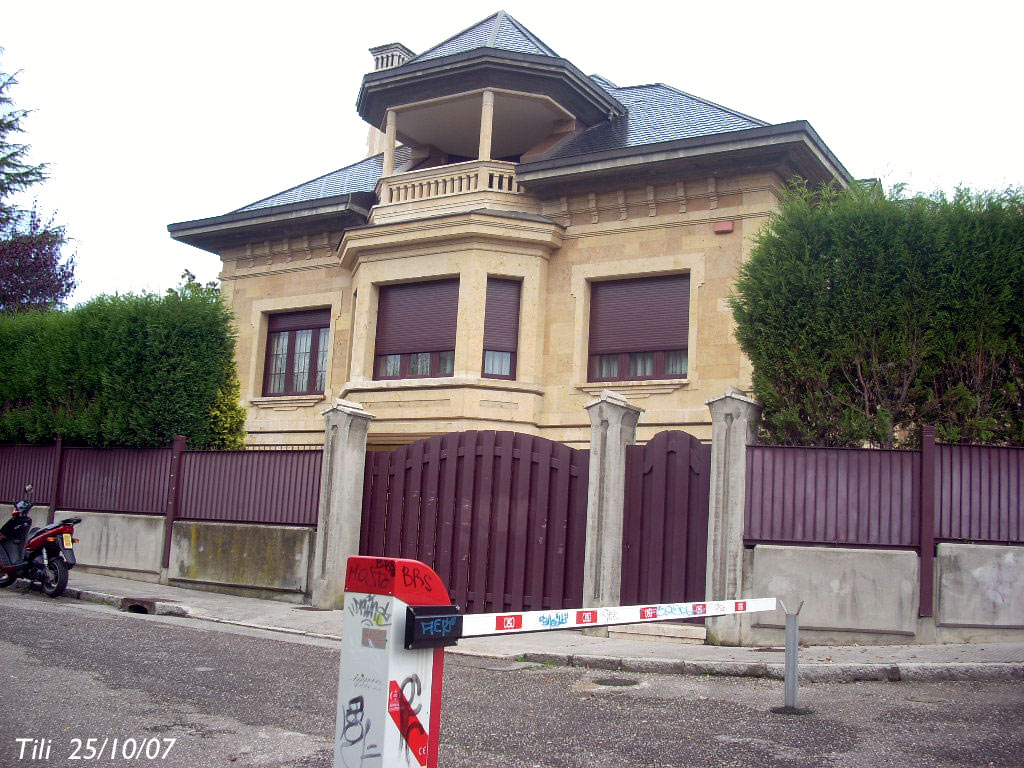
(157, 112)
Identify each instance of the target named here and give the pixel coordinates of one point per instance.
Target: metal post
(792, 651)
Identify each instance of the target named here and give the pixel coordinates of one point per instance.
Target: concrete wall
(254, 560)
(850, 595)
(117, 544)
(870, 596)
(980, 586)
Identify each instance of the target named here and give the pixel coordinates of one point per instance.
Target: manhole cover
(616, 681)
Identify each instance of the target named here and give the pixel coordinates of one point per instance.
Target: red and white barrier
(398, 618)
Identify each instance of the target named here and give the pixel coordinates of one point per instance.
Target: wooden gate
(664, 547)
(500, 516)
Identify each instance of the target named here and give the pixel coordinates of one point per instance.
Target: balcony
(455, 188)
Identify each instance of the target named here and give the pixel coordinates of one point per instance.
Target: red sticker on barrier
(513, 621)
(741, 605)
(700, 609)
(408, 724)
(586, 617)
(649, 613)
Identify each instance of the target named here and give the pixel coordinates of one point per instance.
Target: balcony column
(486, 125)
(390, 136)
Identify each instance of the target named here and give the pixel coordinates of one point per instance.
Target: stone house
(520, 237)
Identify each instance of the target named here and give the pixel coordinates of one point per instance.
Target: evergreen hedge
(866, 316)
(130, 370)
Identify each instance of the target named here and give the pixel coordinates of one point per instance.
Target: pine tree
(33, 271)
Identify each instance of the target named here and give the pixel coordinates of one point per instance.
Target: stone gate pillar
(341, 500)
(612, 427)
(734, 422)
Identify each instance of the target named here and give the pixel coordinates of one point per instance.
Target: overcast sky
(156, 112)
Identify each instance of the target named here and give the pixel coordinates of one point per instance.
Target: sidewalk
(981, 661)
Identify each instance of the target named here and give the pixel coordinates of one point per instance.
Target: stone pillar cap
(613, 398)
(350, 407)
(733, 393)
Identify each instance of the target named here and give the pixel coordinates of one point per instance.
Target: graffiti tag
(559, 619)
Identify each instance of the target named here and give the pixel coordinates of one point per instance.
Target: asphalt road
(234, 697)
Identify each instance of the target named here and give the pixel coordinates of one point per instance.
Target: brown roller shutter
(291, 321)
(501, 320)
(417, 317)
(645, 314)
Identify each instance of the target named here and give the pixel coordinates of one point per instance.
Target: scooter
(38, 554)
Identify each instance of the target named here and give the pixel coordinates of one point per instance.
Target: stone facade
(682, 207)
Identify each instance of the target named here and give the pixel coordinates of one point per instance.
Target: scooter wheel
(6, 580)
(56, 580)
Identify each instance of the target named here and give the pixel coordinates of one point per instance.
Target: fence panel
(271, 487)
(979, 494)
(665, 528)
(24, 464)
(832, 496)
(500, 516)
(132, 480)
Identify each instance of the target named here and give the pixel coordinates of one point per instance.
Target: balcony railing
(447, 180)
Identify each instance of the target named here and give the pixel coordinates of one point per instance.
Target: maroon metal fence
(24, 464)
(980, 494)
(665, 536)
(275, 487)
(839, 496)
(501, 516)
(875, 498)
(115, 479)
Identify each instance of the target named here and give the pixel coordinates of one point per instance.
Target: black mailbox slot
(432, 626)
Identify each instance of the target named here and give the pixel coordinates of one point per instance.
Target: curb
(158, 607)
(808, 672)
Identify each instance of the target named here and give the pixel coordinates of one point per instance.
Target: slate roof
(656, 113)
(358, 177)
(498, 31)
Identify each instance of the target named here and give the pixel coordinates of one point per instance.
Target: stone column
(612, 427)
(390, 137)
(341, 500)
(486, 125)
(734, 421)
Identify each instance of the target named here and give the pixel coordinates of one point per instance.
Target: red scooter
(38, 554)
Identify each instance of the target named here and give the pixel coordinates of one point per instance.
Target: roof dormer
(493, 91)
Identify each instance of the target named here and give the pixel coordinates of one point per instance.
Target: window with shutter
(639, 328)
(297, 345)
(416, 325)
(501, 328)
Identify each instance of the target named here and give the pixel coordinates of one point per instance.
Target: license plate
(67, 541)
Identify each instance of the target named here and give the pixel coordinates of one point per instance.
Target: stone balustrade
(447, 180)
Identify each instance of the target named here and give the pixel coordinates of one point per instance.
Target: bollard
(792, 651)
(389, 688)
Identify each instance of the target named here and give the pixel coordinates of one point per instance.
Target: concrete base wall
(117, 544)
(850, 595)
(870, 596)
(253, 560)
(980, 586)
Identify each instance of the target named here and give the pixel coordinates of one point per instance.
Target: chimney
(386, 56)
(390, 56)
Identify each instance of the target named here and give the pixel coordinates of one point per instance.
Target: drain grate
(616, 681)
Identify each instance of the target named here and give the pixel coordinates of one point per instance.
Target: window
(416, 330)
(297, 344)
(639, 328)
(501, 328)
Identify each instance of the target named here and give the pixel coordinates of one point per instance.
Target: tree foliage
(866, 316)
(123, 371)
(33, 272)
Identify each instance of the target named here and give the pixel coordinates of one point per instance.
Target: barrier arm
(398, 618)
